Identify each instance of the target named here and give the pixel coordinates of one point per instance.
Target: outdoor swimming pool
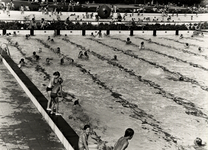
(160, 92)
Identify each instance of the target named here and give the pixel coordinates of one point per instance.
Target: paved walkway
(21, 125)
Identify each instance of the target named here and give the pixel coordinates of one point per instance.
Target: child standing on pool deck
(55, 93)
(50, 86)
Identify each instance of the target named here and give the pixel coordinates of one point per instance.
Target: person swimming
(58, 50)
(186, 45)
(142, 45)
(40, 50)
(200, 49)
(27, 36)
(48, 61)
(115, 57)
(35, 56)
(123, 142)
(128, 41)
(86, 56)
(21, 63)
(80, 55)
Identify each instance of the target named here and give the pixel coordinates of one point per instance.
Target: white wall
(43, 32)
(21, 32)
(88, 32)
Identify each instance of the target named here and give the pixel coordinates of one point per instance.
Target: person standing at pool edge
(55, 93)
(123, 142)
(51, 84)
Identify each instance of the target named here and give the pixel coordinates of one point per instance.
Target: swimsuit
(54, 97)
(48, 89)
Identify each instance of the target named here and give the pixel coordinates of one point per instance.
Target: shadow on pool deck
(29, 117)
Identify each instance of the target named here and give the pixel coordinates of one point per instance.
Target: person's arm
(51, 82)
(125, 146)
(61, 92)
(8, 52)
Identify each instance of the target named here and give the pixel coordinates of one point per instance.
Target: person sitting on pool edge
(58, 51)
(128, 41)
(49, 38)
(123, 142)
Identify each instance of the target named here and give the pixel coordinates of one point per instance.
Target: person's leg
(56, 106)
(49, 100)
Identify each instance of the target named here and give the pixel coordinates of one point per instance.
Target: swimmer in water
(142, 45)
(21, 63)
(80, 55)
(181, 36)
(86, 56)
(115, 57)
(200, 49)
(128, 41)
(186, 45)
(40, 50)
(27, 36)
(123, 142)
(35, 56)
(48, 61)
(58, 51)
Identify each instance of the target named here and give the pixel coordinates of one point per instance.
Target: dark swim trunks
(54, 97)
(48, 89)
